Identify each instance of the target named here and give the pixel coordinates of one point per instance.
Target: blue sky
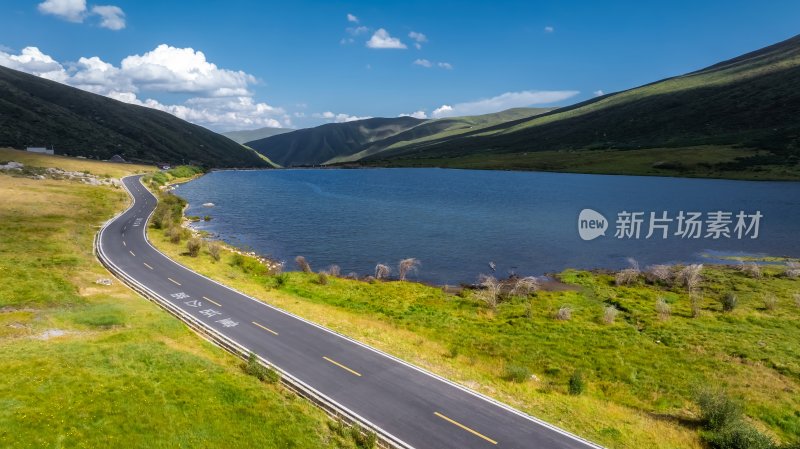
(297, 64)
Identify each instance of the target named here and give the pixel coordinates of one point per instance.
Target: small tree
(694, 300)
(382, 271)
(303, 264)
(322, 278)
(752, 270)
(690, 276)
(659, 273)
(214, 249)
(792, 270)
(770, 301)
(407, 266)
(193, 245)
(334, 270)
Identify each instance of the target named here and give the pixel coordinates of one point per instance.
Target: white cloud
(220, 98)
(418, 114)
(111, 17)
(337, 118)
(382, 40)
(598, 93)
(355, 31)
(352, 18)
(423, 62)
(549, 29)
(445, 65)
(418, 38)
(442, 111)
(504, 101)
(70, 10)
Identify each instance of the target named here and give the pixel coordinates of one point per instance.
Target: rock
(103, 282)
(12, 166)
(208, 204)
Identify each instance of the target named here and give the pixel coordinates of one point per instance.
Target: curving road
(416, 408)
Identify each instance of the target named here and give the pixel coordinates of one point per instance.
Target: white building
(40, 150)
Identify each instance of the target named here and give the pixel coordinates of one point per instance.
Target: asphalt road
(420, 409)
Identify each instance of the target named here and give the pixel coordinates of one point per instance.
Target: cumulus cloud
(504, 101)
(418, 114)
(418, 38)
(352, 18)
(445, 65)
(381, 39)
(111, 17)
(598, 93)
(219, 98)
(337, 118)
(69, 10)
(549, 29)
(424, 63)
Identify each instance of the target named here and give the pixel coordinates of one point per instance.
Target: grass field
(696, 162)
(643, 372)
(89, 365)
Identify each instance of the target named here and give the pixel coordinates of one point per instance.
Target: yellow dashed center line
(343, 367)
(474, 432)
(212, 301)
(148, 266)
(134, 255)
(265, 328)
(174, 281)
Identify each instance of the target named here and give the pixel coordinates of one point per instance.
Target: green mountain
(314, 146)
(38, 112)
(738, 115)
(352, 141)
(254, 134)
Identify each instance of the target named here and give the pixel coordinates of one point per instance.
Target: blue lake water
(458, 221)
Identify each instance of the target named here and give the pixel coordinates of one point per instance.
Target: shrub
(752, 270)
(301, 262)
(690, 276)
(610, 314)
(261, 372)
(717, 410)
(525, 286)
(516, 373)
(576, 383)
(739, 436)
(770, 301)
(626, 277)
(322, 279)
(792, 270)
(193, 246)
(175, 234)
(729, 302)
(363, 439)
(407, 266)
(695, 300)
(281, 279)
(334, 270)
(564, 313)
(490, 290)
(663, 309)
(207, 218)
(382, 271)
(659, 273)
(214, 249)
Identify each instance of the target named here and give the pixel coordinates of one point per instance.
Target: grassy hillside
(38, 112)
(254, 134)
(640, 366)
(444, 128)
(89, 365)
(750, 102)
(313, 146)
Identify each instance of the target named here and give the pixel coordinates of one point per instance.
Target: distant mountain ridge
(38, 112)
(351, 141)
(255, 134)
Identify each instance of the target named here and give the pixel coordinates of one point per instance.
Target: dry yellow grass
(97, 168)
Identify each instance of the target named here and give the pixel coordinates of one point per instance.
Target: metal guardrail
(328, 405)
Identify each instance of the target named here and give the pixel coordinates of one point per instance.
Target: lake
(458, 221)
